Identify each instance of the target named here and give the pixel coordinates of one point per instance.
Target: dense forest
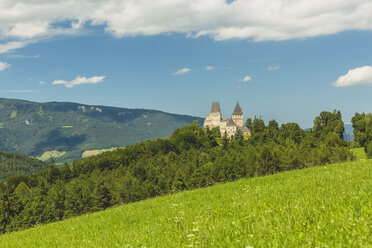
(190, 158)
(12, 163)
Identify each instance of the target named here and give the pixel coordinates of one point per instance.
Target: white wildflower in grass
(195, 230)
(191, 235)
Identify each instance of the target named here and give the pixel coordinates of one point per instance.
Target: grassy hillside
(329, 206)
(38, 129)
(13, 163)
(359, 153)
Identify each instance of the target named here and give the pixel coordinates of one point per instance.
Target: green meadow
(359, 153)
(326, 206)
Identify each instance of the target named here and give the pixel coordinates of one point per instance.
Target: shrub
(369, 150)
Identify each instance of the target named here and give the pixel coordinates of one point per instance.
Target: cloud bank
(357, 76)
(79, 80)
(23, 22)
(3, 66)
(182, 71)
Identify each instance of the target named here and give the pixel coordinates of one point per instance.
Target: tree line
(192, 157)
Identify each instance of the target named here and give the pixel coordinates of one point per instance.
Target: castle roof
(244, 129)
(237, 110)
(215, 107)
(231, 123)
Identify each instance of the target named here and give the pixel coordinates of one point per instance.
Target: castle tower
(231, 128)
(237, 115)
(214, 117)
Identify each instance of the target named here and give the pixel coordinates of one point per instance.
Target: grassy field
(89, 153)
(51, 154)
(328, 206)
(359, 153)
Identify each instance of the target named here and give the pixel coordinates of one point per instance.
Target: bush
(369, 150)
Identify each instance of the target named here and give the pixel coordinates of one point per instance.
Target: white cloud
(357, 76)
(182, 71)
(246, 79)
(210, 68)
(10, 46)
(3, 66)
(23, 22)
(79, 80)
(28, 30)
(41, 82)
(273, 68)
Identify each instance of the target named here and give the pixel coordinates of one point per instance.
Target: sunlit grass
(13, 115)
(51, 154)
(359, 153)
(89, 153)
(328, 206)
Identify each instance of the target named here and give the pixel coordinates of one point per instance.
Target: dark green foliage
(362, 124)
(328, 122)
(13, 163)
(257, 126)
(292, 132)
(238, 135)
(190, 158)
(248, 123)
(369, 150)
(34, 128)
(274, 125)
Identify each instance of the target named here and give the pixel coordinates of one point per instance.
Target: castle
(228, 126)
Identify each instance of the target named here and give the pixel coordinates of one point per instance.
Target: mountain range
(64, 130)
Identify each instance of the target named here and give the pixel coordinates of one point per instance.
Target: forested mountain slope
(13, 163)
(69, 129)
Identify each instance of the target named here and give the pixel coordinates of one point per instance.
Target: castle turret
(214, 117)
(237, 115)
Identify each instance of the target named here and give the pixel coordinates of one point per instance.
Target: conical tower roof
(231, 123)
(237, 110)
(215, 107)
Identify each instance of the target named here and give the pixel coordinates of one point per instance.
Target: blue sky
(289, 76)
